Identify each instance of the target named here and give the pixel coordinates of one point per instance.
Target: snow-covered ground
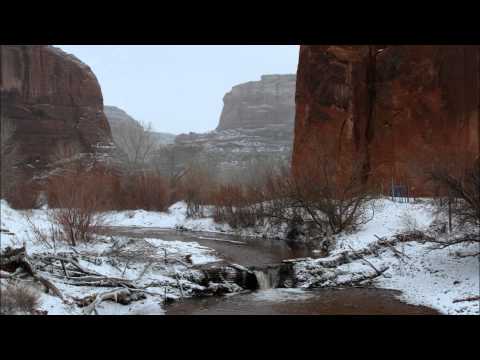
(433, 278)
(427, 277)
(176, 218)
(161, 279)
(173, 218)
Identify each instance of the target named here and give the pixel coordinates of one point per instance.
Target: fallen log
(120, 295)
(334, 280)
(93, 301)
(101, 282)
(69, 260)
(294, 261)
(13, 259)
(361, 279)
(473, 298)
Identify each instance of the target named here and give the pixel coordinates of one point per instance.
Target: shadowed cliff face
(51, 98)
(394, 110)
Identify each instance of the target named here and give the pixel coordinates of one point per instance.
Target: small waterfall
(268, 278)
(263, 280)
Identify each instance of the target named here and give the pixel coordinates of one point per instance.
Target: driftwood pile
(65, 268)
(327, 275)
(47, 269)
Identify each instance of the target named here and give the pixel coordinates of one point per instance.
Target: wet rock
(222, 272)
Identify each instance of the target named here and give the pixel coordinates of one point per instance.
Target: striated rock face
(270, 101)
(256, 124)
(393, 110)
(51, 98)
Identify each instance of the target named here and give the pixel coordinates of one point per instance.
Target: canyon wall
(52, 99)
(391, 111)
(270, 101)
(256, 126)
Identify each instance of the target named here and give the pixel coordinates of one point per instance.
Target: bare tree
(167, 162)
(460, 194)
(137, 142)
(317, 196)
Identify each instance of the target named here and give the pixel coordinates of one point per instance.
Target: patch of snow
(433, 278)
(16, 232)
(174, 218)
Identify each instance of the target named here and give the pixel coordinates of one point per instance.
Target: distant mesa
(270, 101)
(256, 123)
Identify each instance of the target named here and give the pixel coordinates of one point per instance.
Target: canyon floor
(148, 249)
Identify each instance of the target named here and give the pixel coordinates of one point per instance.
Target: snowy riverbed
(433, 278)
(163, 280)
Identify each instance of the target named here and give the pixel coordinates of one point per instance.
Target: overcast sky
(179, 88)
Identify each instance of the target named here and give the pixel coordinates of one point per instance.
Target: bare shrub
(409, 223)
(147, 191)
(314, 200)
(458, 198)
(238, 206)
(77, 200)
(137, 142)
(196, 187)
(459, 194)
(48, 237)
(318, 197)
(18, 300)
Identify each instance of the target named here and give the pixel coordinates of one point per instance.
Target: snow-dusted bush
(315, 197)
(238, 206)
(459, 195)
(18, 300)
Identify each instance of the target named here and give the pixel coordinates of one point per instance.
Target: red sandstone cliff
(51, 98)
(394, 110)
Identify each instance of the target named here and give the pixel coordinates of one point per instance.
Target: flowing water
(352, 301)
(263, 257)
